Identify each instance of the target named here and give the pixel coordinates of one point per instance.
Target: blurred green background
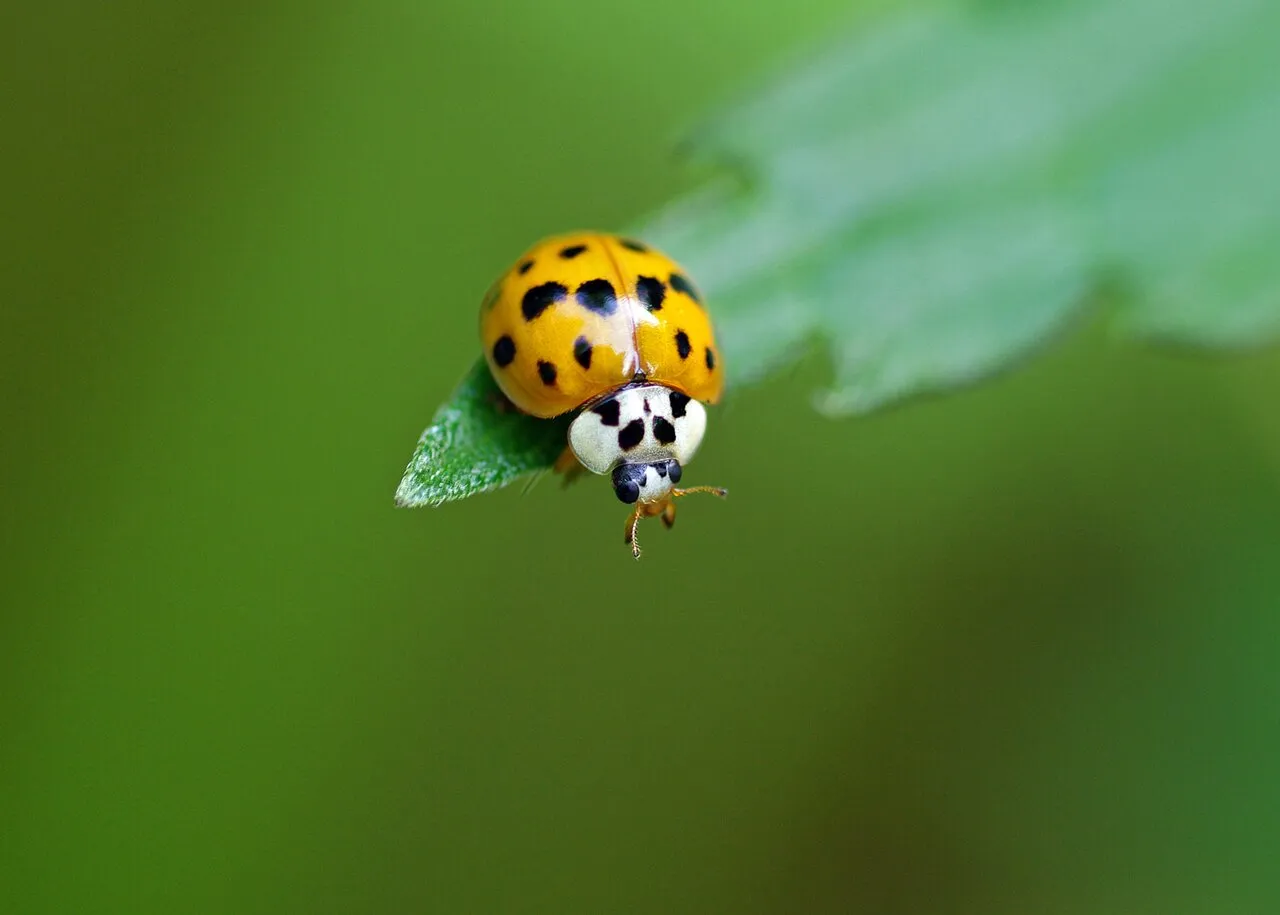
(1007, 651)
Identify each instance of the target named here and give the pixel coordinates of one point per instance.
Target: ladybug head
(651, 482)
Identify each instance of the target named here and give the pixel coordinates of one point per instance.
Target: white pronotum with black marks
(642, 435)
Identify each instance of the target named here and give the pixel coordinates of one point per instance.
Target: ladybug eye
(626, 482)
(674, 471)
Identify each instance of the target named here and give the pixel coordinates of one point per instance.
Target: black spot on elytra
(547, 372)
(582, 352)
(626, 482)
(631, 435)
(572, 251)
(504, 351)
(525, 267)
(632, 245)
(540, 298)
(678, 403)
(680, 283)
(711, 359)
(663, 431)
(609, 412)
(682, 344)
(598, 296)
(651, 292)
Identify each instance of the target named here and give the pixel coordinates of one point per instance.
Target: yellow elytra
(580, 315)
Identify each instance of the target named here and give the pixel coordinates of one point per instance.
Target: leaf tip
(411, 493)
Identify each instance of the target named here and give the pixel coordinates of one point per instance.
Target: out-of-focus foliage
(940, 191)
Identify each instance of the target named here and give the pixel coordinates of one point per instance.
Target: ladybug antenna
(714, 490)
(666, 509)
(632, 523)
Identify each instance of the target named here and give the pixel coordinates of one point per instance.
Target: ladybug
(615, 330)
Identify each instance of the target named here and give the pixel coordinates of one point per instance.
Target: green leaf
(475, 443)
(939, 194)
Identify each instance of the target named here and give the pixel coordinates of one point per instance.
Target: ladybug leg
(669, 515)
(567, 466)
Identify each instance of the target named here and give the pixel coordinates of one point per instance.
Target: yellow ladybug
(613, 328)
